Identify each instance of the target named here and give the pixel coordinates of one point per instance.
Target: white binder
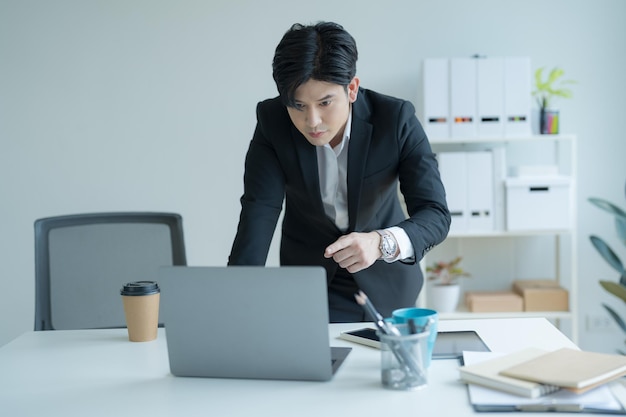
(436, 117)
(517, 96)
(453, 171)
(490, 93)
(480, 191)
(463, 98)
(499, 190)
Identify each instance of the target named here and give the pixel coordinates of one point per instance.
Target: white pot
(444, 298)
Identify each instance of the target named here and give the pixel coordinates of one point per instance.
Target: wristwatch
(388, 245)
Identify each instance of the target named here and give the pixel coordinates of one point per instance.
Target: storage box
(493, 301)
(542, 295)
(538, 203)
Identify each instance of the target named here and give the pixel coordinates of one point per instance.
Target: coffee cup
(141, 308)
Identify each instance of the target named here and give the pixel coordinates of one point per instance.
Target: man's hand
(355, 251)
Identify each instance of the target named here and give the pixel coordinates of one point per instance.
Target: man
(335, 153)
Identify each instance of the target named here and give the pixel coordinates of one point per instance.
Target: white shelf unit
(497, 257)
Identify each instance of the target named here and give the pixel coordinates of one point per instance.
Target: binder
(436, 117)
(490, 96)
(517, 96)
(480, 191)
(453, 171)
(463, 98)
(499, 188)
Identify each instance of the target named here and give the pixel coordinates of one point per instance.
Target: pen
(402, 355)
(412, 327)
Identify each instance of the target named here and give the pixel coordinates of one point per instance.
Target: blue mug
(421, 317)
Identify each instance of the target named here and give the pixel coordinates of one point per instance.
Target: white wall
(149, 105)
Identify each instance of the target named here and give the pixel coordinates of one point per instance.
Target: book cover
(487, 373)
(570, 368)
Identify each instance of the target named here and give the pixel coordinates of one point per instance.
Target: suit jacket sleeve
(261, 202)
(420, 184)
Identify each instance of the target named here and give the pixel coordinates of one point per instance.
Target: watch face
(389, 247)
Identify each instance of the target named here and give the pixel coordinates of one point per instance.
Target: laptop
(248, 322)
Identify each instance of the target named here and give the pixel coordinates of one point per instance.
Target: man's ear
(353, 89)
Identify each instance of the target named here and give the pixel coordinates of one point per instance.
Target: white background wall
(149, 105)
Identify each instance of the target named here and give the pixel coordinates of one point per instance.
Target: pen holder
(403, 359)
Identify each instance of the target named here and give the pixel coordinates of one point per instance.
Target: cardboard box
(493, 301)
(538, 203)
(542, 295)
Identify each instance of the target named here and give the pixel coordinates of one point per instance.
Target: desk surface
(100, 373)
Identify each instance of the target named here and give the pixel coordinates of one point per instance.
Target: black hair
(323, 52)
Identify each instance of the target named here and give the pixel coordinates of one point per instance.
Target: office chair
(83, 260)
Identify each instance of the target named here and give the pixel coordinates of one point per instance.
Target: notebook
(486, 373)
(570, 368)
(248, 322)
(601, 400)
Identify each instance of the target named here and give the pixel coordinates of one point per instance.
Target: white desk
(100, 373)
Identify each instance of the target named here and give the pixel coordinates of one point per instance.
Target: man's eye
(325, 103)
(298, 106)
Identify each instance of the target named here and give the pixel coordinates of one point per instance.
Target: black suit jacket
(387, 145)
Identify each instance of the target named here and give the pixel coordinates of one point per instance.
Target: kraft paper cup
(141, 308)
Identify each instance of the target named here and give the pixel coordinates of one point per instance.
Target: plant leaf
(614, 288)
(615, 317)
(607, 253)
(608, 206)
(620, 225)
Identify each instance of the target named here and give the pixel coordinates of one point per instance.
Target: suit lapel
(307, 158)
(360, 138)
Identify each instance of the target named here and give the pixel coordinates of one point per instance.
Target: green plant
(618, 289)
(446, 272)
(550, 87)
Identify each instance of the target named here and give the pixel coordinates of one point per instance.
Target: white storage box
(538, 203)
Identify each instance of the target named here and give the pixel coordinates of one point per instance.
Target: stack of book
(535, 372)
(566, 380)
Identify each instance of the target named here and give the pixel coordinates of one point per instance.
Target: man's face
(321, 110)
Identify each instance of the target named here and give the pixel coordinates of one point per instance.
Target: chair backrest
(83, 260)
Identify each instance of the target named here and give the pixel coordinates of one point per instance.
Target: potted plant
(445, 291)
(546, 89)
(616, 288)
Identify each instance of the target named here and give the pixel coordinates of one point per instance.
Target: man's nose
(313, 117)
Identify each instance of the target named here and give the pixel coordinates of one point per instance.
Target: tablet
(448, 345)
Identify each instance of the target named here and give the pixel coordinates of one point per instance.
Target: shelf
(499, 256)
(467, 315)
(512, 139)
(508, 233)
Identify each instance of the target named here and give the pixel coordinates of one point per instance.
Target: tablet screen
(448, 345)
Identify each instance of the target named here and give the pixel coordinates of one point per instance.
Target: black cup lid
(140, 288)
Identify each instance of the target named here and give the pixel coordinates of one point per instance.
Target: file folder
(490, 96)
(480, 191)
(463, 98)
(517, 96)
(436, 117)
(453, 171)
